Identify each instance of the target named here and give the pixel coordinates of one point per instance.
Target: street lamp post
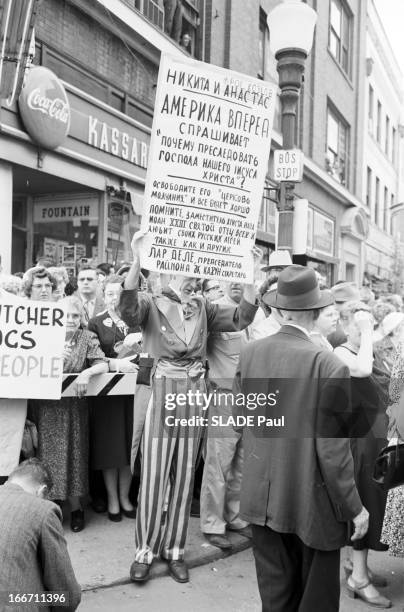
(291, 25)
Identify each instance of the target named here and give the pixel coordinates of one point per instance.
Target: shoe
(179, 571)
(99, 505)
(129, 513)
(376, 579)
(77, 520)
(195, 508)
(115, 517)
(356, 590)
(139, 572)
(244, 531)
(219, 540)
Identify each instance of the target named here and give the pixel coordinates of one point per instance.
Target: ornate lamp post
(291, 25)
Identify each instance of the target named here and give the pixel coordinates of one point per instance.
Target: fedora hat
(278, 259)
(298, 290)
(345, 292)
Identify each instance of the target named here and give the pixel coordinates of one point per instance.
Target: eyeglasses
(86, 278)
(214, 288)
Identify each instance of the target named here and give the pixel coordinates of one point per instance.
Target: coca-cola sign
(44, 108)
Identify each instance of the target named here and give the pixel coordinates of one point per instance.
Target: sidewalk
(103, 553)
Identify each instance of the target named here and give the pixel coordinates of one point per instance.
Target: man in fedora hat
(298, 490)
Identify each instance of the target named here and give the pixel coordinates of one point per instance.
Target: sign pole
(290, 67)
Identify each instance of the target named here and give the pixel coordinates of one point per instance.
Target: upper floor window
(337, 147)
(376, 212)
(369, 187)
(263, 40)
(387, 137)
(386, 209)
(340, 34)
(393, 144)
(379, 122)
(370, 109)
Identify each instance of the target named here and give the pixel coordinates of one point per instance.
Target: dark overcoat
(298, 478)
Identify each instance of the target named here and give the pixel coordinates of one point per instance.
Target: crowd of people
(303, 500)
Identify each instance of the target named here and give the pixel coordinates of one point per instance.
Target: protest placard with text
(32, 336)
(209, 155)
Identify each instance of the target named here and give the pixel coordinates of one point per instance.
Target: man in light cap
(175, 327)
(342, 291)
(278, 261)
(298, 489)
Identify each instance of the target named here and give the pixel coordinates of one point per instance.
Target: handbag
(388, 471)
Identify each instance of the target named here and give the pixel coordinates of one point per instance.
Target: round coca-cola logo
(44, 108)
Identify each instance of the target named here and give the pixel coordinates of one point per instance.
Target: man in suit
(298, 488)
(33, 551)
(90, 293)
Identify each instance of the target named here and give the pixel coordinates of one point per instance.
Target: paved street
(227, 585)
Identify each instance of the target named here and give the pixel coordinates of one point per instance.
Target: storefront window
(123, 222)
(66, 230)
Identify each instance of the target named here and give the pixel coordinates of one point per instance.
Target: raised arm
(360, 365)
(134, 307)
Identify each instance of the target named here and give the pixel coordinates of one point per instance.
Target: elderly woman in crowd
(112, 424)
(393, 526)
(63, 424)
(369, 383)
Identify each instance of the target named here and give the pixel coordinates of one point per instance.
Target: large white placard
(209, 155)
(32, 336)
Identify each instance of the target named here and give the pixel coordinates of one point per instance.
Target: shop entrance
(54, 219)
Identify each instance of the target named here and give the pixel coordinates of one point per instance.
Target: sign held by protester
(32, 336)
(209, 153)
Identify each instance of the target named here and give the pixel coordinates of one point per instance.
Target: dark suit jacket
(33, 551)
(299, 482)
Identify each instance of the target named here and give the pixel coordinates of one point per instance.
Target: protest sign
(32, 336)
(209, 155)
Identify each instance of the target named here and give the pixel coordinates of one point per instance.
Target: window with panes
(340, 34)
(337, 160)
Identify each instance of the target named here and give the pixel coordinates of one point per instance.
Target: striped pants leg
(168, 461)
(182, 484)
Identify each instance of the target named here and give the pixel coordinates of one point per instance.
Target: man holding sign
(175, 327)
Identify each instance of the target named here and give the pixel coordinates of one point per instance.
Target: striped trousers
(169, 453)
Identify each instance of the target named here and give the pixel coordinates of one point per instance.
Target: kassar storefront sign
(116, 142)
(44, 108)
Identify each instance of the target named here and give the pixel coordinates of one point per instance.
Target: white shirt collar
(302, 329)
